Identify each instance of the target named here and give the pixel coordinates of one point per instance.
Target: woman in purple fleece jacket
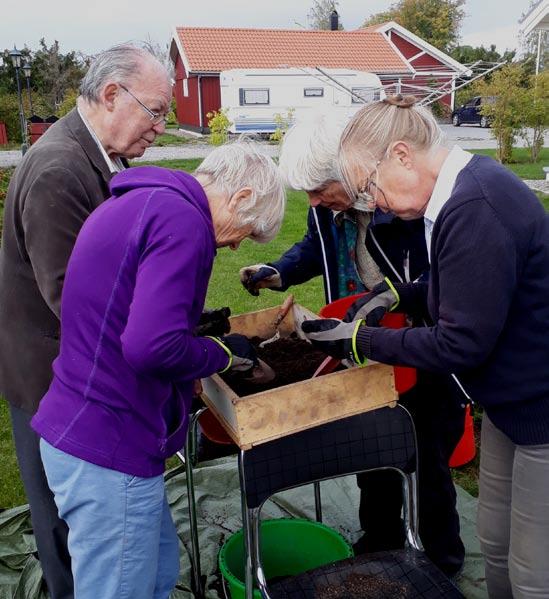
(119, 401)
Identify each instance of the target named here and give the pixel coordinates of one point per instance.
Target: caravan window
(368, 94)
(313, 92)
(253, 96)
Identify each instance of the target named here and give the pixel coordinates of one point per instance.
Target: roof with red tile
(216, 49)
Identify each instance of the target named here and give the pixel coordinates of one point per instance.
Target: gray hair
(369, 134)
(119, 63)
(308, 157)
(240, 164)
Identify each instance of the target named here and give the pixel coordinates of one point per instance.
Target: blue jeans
(122, 539)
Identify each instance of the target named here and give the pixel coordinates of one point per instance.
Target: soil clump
(291, 358)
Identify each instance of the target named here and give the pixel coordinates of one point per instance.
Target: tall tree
(319, 15)
(436, 21)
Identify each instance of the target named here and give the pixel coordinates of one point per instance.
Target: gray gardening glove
(260, 276)
(373, 306)
(335, 337)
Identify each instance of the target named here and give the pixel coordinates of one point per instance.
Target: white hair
(120, 64)
(240, 164)
(308, 158)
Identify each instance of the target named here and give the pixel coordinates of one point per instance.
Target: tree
(506, 110)
(436, 21)
(319, 15)
(468, 54)
(54, 73)
(535, 104)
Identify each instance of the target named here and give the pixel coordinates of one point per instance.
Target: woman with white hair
(123, 382)
(487, 298)
(354, 249)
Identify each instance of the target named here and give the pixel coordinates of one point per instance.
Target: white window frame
(312, 92)
(244, 90)
(185, 88)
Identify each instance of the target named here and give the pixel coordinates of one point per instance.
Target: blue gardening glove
(335, 338)
(373, 306)
(260, 276)
(213, 322)
(242, 354)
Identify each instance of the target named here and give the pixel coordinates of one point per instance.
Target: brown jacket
(54, 189)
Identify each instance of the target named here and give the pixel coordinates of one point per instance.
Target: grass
(169, 139)
(225, 290)
(520, 165)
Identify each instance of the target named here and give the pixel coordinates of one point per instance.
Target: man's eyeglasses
(156, 117)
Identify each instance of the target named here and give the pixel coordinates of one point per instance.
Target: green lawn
(520, 165)
(169, 139)
(225, 290)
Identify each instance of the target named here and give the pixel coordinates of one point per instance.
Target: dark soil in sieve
(365, 586)
(291, 358)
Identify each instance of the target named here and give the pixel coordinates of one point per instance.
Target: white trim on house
(417, 41)
(179, 45)
(416, 56)
(537, 18)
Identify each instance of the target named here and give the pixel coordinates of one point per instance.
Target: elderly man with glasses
(355, 249)
(123, 102)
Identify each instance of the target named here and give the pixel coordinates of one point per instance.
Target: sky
(94, 25)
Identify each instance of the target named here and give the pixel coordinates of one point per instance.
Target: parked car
(470, 112)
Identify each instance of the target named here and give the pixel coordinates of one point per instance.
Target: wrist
(357, 354)
(363, 338)
(227, 351)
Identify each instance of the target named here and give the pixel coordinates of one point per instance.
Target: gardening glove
(242, 354)
(259, 276)
(335, 338)
(373, 306)
(213, 322)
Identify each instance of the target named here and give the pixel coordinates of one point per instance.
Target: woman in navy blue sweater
(488, 297)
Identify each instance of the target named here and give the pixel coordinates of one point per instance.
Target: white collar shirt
(116, 165)
(455, 162)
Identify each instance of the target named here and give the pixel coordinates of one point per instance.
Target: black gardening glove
(335, 337)
(373, 306)
(260, 276)
(213, 322)
(242, 354)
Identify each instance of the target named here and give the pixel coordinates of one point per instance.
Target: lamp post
(15, 56)
(27, 71)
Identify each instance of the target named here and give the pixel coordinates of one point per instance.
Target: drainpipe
(200, 122)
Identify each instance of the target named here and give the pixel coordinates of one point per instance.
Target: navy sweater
(488, 296)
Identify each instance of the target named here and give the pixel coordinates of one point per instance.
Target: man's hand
(242, 354)
(213, 322)
(373, 306)
(260, 276)
(335, 337)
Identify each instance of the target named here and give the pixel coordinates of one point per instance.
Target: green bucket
(288, 547)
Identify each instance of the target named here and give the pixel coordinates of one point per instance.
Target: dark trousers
(436, 408)
(50, 531)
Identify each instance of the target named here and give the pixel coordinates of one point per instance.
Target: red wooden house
(200, 54)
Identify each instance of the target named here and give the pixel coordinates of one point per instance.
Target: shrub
(219, 124)
(535, 108)
(68, 103)
(506, 112)
(283, 123)
(9, 114)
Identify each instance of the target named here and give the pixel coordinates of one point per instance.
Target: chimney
(334, 20)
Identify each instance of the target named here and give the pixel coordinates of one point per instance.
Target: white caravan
(253, 97)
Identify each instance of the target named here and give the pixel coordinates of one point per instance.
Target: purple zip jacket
(134, 291)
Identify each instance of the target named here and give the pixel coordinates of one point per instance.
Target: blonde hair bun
(401, 101)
